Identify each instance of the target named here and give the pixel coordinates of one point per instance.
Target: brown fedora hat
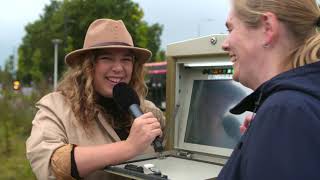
(107, 33)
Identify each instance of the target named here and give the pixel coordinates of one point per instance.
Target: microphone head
(125, 96)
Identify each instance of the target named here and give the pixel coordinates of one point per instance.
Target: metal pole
(56, 43)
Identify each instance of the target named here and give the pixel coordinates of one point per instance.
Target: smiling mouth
(233, 58)
(114, 80)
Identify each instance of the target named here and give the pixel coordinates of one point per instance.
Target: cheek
(97, 83)
(233, 38)
(236, 72)
(129, 71)
(96, 77)
(98, 69)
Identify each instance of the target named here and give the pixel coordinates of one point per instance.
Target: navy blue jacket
(283, 140)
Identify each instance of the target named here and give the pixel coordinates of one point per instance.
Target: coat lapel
(108, 128)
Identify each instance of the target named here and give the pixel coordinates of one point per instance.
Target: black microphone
(128, 100)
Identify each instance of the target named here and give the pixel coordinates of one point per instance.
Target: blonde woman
(78, 129)
(274, 45)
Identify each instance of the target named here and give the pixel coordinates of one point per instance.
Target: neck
(101, 100)
(274, 63)
(117, 117)
(269, 68)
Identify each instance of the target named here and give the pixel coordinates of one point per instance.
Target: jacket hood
(305, 79)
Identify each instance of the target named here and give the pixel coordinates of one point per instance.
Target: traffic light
(16, 85)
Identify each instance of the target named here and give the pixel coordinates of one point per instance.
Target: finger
(156, 132)
(242, 129)
(147, 115)
(247, 120)
(143, 120)
(246, 123)
(156, 125)
(249, 116)
(151, 120)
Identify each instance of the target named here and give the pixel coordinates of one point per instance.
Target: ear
(270, 25)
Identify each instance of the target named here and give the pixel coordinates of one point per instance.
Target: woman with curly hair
(79, 129)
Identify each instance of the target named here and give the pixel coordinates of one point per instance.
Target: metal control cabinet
(200, 131)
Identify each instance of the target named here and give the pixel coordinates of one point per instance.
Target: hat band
(111, 44)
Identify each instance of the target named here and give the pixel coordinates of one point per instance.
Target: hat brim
(142, 55)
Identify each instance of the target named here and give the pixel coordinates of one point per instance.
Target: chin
(235, 77)
(105, 93)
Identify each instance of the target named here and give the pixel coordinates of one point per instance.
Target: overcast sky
(182, 19)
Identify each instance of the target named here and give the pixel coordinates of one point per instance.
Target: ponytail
(307, 53)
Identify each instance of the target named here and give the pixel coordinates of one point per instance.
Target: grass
(16, 114)
(14, 164)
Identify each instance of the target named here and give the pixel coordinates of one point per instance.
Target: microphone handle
(157, 144)
(135, 111)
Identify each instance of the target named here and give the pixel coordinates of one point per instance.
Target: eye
(127, 59)
(229, 30)
(104, 58)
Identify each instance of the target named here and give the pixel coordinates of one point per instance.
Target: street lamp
(199, 24)
(56, 43)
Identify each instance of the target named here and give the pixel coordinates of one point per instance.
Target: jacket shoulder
(291, 99)
(54, 99)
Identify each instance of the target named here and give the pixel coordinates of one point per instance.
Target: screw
(213, 40)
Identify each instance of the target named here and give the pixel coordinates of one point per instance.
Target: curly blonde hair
(77, 87)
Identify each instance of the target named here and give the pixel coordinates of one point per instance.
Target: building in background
(156, 82)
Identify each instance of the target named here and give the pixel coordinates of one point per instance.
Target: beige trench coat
(54, 125)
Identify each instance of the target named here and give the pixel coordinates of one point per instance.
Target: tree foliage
(68, 20)
(7, 74)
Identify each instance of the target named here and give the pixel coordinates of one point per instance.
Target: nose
(117, 66)
(225, 45)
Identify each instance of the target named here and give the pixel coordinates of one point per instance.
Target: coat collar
(303, 79)
(108, 128)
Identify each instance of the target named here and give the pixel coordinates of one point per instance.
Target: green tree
(36, 69)
(7, 74)
(154, 42)
(161, 56)
(68, 20)
(9, 65)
